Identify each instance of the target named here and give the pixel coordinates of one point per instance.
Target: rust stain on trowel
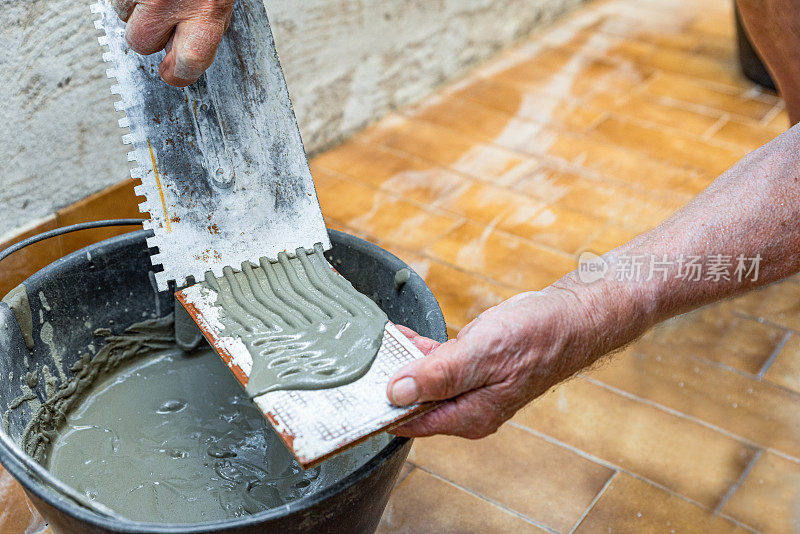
(159, 186)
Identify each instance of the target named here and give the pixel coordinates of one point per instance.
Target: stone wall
(347, 63)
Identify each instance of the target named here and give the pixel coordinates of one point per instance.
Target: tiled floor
(578, 139)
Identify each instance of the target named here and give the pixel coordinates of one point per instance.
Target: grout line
(461, 218)
(493, 502)
(739, 481)
(771, 114)
(402, 478)
(774, 355)
(594, 501)
(716, 127)
(610, 465)
(741, 439)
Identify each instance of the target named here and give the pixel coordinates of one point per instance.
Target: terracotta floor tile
(561, 228)
(769, 498)
(422, 504)
(390, 170)
(380, 214)
(644, 108)
(23, 263)
(630, 505)
(778, 303)
(601, 199)
(785, 370)
(740, 404)
(717, 334)
(487, 204)
(677, 453)
(542, 481)
(671, 147)
(504, 258)
(115, 202)
(747, 135)
(690, 91)
(535, 106)
(572, 75)
(461, 296)
(18, 514)
(607, 160)
(779, 122)
(449, 148)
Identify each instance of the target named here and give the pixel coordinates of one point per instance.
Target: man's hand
(189, 31)
(499, 362)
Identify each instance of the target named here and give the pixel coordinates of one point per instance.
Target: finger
(149, 28)
(124, 8)
(472, 415)
(444, 374)
(424, 344)
(193, 50)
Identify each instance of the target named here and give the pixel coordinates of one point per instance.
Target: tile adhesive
(159, 434)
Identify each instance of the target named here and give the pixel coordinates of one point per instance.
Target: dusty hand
(499, 362)
(189, 31)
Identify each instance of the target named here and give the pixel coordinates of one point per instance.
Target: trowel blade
(315, 424)
(221, 163)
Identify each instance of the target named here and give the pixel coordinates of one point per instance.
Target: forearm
(751, 211)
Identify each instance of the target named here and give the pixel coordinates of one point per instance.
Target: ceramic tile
(672, 147)
(423, 503)
(18, 514)
(449, 148)
(785, 370)
(717, 334)
(779, 122)
(462, 296)
(390, 170)
(769, 498)
(507, 259)
(542, 481)
(630, 505)
(680, 454)
(568, 75)
(554, 226)
(487, 204)
(747, 135)
(380, 214)
(535, 106)
(644, 108)
(605, 160)
(778, 303)
(695, 93)
(601, 199)
(115, 202)
(737, 403)
(20, 265)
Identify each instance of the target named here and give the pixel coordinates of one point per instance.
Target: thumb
(442, 375)
(192, 51)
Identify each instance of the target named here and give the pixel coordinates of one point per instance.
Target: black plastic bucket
(107, 285)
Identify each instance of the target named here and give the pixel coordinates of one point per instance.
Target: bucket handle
(66, 230)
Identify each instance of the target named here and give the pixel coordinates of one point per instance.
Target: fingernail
(184, 71)
(404, 391)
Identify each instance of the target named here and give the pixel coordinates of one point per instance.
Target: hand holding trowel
(233, 207)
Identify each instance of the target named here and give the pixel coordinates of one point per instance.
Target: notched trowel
(226, 181)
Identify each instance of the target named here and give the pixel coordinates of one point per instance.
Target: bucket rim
(31, 485)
